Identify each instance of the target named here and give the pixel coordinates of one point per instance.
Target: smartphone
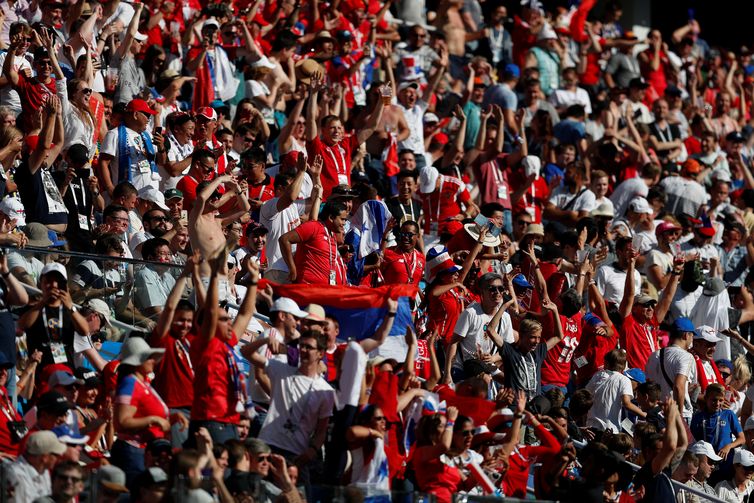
(158, 130)
(184, 214)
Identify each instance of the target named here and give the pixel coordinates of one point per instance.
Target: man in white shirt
(474, 332)
(739, 488)
(673, 367)
(611, 278)
(612, 391)
(685, 194)
(279, 215)
(28, 477)
(301, 405)
(572, 200)
(630, 188)
(128, 154)
(570, 93)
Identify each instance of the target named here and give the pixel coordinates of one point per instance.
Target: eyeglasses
(522, 222)
(379, 418)
(495, 289)
(71, 478)
(307, 347)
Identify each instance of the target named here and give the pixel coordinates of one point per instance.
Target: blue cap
(66, 435)
(593, 320)
(54, 238)
(512, 70)
(636, 375)
(722, 362)
(520, 281)
(683, 325)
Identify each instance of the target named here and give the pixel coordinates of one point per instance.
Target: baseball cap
(286, 305)
(207, 113)
(520, 281)
(603, 210)
(100, 307)
(430, 118)
(512, 70)
(735, 137)
(684, 325)
(140, 37)
(749, 425)
(139, 105)
(90, 378)
(13, 208)
(173, 194)
(62, 378)
(66, 435)
(643, 299)
(691, 167)
(638, 82)
(707, 333)
(210, 23)
(151, 194)
(666, 227)
(316, 312)
(44, 442)
(743, 457)
(636, 374)
(54, 267)
(640, 205)
(112, 478)
(406, 85)
(54, 402)
(705, 449)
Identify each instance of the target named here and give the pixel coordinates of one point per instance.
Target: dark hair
(184, 305)
(150, 246)
(652, 389)
(200, 154)
(460, 422)
(571, 302)
(223, 131)
(581, 401)
(285, 39)
(254, 155)
(66, 466)
(236, 451)
(282, 180)
(316, 335)
(407, 174)
(405, 151)
(108, 243)
(488, 209)
(124, 189)
(425, 428)
(331, 210)
(112, 209)
(410, 223)
(622, 242)
(615, 360)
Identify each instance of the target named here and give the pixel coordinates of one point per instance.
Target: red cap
(450, 227)
(707, 232)
(207, 113)
(665, 227)
(139, 105)
(441, 138)
(691, 167)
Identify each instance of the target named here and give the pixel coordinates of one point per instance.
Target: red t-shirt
(443, 313)
(556, 368)
(9, 413)
(317, 255)
(400, 268)
(187, 185)
(534, 199)
(434, 476)
(33, 95)
(593, 349)
(444, 202)
(262, 191)
(174, 374)
(214, 386)
(639, 341)
(131, 391)
(520, 460)
(336, 168)
(493, 181)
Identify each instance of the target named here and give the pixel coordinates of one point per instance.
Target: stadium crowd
(257, 250)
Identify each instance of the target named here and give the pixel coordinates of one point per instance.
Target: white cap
(707, 333)
(603, 210)
(705, 449)
(743, 457)
(428, 179)
(263, 62)
(430, 117)
(54, 267)
(149, 193)
(532, 165)
(546, 33)
(286, 305)
(44, 442)
(640, 205)
(13, 208)
(100, 307)
(211, 22)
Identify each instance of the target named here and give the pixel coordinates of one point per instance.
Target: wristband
(254, 283)
(449, 423)
(518, 415)
(391, 314)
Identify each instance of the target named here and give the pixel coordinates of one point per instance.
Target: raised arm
(208, 326)
(666, 299)
(553, 341)
(629, 288)
(124, 48)
(372, 122)
(9, 71)
(372, 343)
(284, 139)
(294, 189)
(248, 307)
(315, 85)
(166, 316)
(447, 158)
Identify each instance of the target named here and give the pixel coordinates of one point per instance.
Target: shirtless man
(451, 23)
(206, 224)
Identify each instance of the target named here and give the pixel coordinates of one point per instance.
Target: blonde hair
(741, 370)
(529, 326)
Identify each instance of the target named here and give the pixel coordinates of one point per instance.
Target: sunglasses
(495, 289)
(725, 375)
(86, 90)
(379, 418)
(261, 459)
(44, 62)
(522, 222)
(406, 234)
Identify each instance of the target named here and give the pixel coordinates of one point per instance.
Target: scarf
(124, 154)
(215, 79)
(702, 375)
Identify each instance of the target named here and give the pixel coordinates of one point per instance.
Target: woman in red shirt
(140, 413)
(434, 436)
(10, 437)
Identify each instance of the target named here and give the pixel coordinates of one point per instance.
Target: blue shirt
(719, 428)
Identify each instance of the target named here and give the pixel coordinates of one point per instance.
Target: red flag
(579, 19)
(390, 157)
(477, 409)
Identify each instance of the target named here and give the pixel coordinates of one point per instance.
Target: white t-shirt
(415, 121)
(141, 173)
(625, 192)
(561, 197)
(563, 98)
(684, 196)
(470, 326)
(278, 223)
(611, 282)
(728, 492)
(9, 96)
(256, 393)
(608, 388)
(678, 361)
(298, 403)
(176, 153)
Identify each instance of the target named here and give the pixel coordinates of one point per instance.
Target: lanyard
(411, 206)
(47, 327)
(83, 196)
(7, 407)
(650, 339)
(329, 150)
(183, 348)
(664, 134)
(328, 239)
(410, 271)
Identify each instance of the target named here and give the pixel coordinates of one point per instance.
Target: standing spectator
(611, 278)
(612, 393)
(685, 194)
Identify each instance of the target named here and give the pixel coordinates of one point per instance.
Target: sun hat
(136, 351)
